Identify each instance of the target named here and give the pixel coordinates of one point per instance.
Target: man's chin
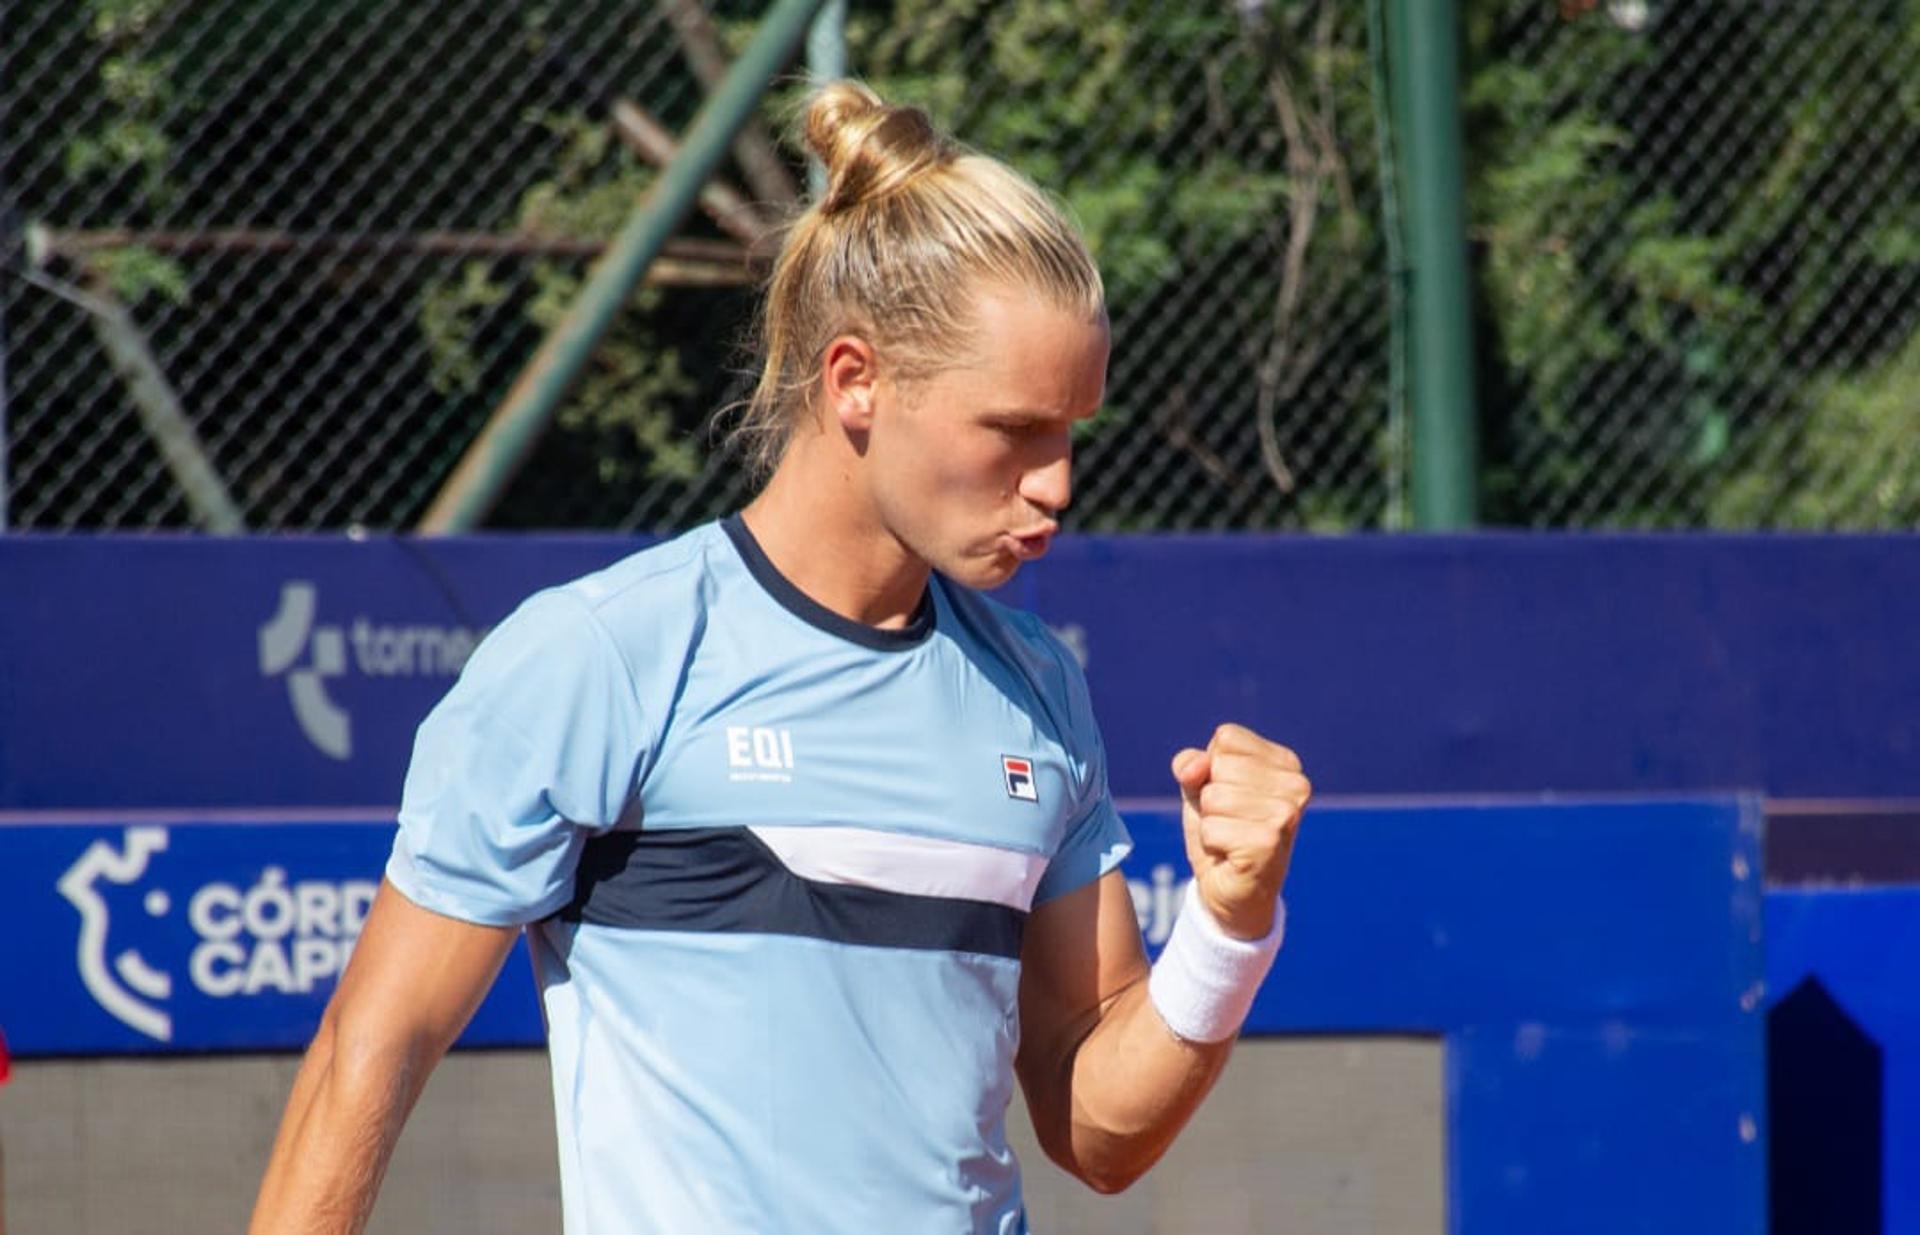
(986, 572)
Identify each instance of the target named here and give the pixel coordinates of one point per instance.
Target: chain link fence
(1222, 160)
(1698, 233)
(301, 244)
(271, 263)
(309, 245)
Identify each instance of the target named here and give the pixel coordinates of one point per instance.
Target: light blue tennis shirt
(775, 866)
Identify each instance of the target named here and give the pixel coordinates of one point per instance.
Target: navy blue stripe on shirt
(726, 879)
(812, 612)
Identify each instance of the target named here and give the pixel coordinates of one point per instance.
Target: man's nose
(1049, 485)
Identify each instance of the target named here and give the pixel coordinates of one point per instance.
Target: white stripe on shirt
(914, 865)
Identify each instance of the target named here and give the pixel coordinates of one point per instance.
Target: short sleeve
(1096, 844)
(537, 747)
(1097, 840)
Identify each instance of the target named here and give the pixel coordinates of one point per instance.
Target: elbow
(359, 1057)
(1108, 1169)
(1110, 1179)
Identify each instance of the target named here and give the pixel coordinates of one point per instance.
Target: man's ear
(849, 370)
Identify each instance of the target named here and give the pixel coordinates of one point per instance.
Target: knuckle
(1231, 735)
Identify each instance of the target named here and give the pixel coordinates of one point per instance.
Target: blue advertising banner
(175, 673)
(1587, 965)
(1845, 1043)
(189, 673)
(195, 934)
(188, 935)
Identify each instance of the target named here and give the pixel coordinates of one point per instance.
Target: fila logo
(759, 754)
(1019, 774)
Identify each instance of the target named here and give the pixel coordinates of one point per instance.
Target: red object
(3, 1059)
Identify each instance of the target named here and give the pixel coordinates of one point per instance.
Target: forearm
(1110, 1088)
(341, 1123)
(415, 980)
(1130, 1087)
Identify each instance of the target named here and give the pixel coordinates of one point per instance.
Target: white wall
(1322, 1136)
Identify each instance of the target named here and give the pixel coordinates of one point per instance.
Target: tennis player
(811, 841)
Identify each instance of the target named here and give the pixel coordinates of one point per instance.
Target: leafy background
(1693, 228)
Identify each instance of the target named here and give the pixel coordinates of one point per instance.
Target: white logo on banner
(267, 937)
(379, 650)
(118, 988)
(274, 936)
(282, 639)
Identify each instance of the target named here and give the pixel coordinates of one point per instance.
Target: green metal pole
(826, 61)
(510, 434)
(1424, 41)
(161, 414)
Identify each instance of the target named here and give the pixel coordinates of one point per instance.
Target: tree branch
(759, 162)
(724, 204)
(686, 262)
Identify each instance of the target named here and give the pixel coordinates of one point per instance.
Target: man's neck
(831, 545)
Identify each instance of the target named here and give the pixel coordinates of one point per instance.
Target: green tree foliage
(356, 125)
(629, 404)
(1210, 160)
(1221, 162)
(1693, 228)
(1697, 259)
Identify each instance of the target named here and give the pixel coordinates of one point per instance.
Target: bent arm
(1107, 1083)
(413, 983)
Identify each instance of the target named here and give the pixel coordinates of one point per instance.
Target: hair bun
(869, 148)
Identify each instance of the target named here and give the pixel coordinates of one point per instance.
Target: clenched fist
(1240, 804)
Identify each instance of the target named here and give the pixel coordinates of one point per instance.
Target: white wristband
(1204, 982)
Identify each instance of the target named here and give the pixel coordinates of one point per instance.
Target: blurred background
(1618, 882)
(315, 243)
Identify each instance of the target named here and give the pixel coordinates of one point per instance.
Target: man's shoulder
(1019, 637)
(645, 606)
(986, 614)
(659, 578)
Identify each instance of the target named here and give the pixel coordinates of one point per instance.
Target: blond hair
(910, 224)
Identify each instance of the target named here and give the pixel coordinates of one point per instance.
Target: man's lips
(1028, 545)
